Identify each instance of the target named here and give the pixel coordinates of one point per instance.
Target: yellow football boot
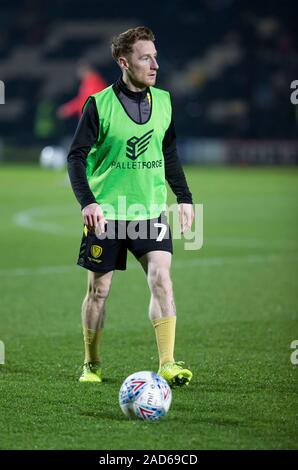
(175, 374)
(91, 373)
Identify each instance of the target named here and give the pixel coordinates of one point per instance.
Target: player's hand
(94, 218)
(186, 216)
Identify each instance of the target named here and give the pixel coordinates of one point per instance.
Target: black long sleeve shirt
(137, 106)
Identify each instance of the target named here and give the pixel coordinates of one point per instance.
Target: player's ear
(123, 63)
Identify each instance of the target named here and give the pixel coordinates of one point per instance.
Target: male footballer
(122, 154)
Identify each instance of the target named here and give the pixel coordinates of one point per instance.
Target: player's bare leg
(162, 313)
(157, 265)
(93, 317)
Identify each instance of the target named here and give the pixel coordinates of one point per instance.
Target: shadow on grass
(107, 414)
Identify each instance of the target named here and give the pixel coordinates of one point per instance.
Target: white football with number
(145, 395)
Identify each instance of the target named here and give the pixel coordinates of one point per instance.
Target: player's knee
(160, 281)
(98, 292)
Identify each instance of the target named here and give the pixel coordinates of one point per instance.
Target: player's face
(141, 64)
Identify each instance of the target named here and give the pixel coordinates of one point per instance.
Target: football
(145, 395)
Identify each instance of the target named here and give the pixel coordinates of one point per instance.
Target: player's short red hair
(122, 44)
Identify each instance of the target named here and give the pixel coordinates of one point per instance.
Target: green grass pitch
(237, 316)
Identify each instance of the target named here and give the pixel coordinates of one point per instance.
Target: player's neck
(132, 86)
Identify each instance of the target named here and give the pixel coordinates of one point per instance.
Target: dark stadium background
(228, 65)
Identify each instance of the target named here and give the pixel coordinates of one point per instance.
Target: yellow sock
(165, 328)
(91, 340)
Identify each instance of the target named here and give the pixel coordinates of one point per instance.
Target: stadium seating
(228, 66)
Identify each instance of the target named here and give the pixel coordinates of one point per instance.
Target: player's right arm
(85, 136)
(93, 217)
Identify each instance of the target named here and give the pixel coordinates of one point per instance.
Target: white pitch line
(35, 271)
(220, 261)
(176, 264)
(30, 219)
(251, 243)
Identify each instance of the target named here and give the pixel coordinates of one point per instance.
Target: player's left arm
(186, 216)
(176, 178)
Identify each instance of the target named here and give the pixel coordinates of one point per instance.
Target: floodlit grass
(237, 316)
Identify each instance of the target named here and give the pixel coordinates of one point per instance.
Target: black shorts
(109, 251)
